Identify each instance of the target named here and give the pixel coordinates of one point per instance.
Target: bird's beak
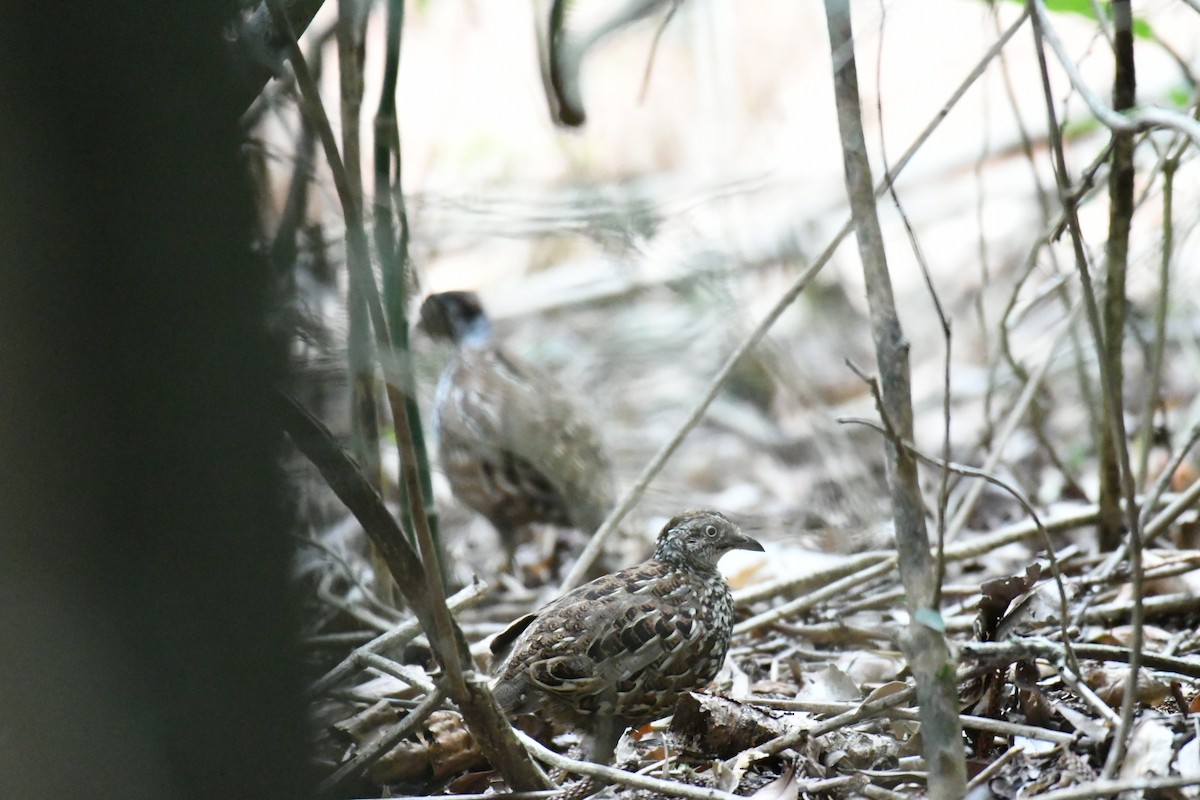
(743, 542)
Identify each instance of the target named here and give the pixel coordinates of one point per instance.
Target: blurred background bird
(512, 442)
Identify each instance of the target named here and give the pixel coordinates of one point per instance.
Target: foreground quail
(619, 651)
(511, 441)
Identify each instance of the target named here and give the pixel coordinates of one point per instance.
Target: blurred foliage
(1087, 9)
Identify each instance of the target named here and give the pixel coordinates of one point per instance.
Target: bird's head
(456, 316)
(698, 539)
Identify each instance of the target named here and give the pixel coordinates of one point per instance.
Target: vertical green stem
(393, 254)
(364, 414)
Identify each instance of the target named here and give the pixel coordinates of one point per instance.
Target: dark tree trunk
(146, 623)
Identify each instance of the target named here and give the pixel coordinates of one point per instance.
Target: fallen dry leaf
(1150, 751)
(785, 787)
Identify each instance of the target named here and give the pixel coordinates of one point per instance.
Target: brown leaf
(441, 747)
(1109, 685)
(997, 595)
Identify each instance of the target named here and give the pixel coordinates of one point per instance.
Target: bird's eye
(710, 531)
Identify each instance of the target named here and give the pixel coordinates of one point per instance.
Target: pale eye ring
(710, 531)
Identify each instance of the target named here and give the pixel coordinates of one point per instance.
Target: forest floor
(630, 259)
(819, 613)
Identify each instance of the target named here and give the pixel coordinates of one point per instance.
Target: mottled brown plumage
(619, 651)
(511, 440)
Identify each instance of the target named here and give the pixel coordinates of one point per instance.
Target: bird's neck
(681, 559)
(476, 334)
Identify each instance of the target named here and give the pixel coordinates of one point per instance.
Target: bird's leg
(509, 538)
(605, 736)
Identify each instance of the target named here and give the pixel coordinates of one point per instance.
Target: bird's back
(515, 447)
(626, 645)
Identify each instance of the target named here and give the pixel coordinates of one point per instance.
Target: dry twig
(650, 471)
(924, 644)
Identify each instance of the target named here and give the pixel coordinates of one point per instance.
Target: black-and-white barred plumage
(622, 649)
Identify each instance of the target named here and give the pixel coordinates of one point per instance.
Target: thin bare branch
(835, 589)
(1110, 394)
(866, 710)
(478, 707)
(1019, 496)
(425, 589)
(924, 640)
(1182, 502)
(1009, 427)
(992, 769)
(1142, 786)
(791, 584)
(1130, 122)
(369, 755)
(650, 471)
(620, 776)
(1035, 647)
(996, 726)
(403, 632)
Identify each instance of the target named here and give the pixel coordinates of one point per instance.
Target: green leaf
(1080, 127)
(1180, 96)
(1085, 8)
